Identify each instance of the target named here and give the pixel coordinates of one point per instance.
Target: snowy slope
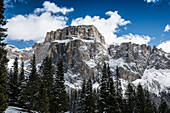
(12, 109)
(155, 81)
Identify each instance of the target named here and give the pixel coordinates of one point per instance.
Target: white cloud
(154, 1)
(52, 7)
(34, 26)
(138, 39)
(167, 28)
(108, 28)
(165, 46)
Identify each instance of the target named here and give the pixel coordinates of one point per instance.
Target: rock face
(84, 51)
(135, 59)
(80, 32)
(81, 48)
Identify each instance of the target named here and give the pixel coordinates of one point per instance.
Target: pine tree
(32, 85)
(82, 98)
(140, 99)
(103, 97)
(22, 87)
(63, 103)
(112, 102)
(119, 90)
(149, 106)
(15, 89)
(46, 71)
(163, 108)
(59, 102)
(22, 74)
(131, 100)
(89, 98)
(42, 105)
(3, 61)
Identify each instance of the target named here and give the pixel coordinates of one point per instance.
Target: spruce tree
(15, 89)
(149, 106)
(112, 101)
(82, 98)
(140, 99)
(22, 86)
(89, 98)
(46, 71)
(32, 85)
(63, 102)
(131, 100)
(103, 97)
(22, 74)
(3, 60)
(163, 107)
(119, 90)
(59, 102)
(42, 105)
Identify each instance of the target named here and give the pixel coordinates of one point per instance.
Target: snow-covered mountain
(83, 50)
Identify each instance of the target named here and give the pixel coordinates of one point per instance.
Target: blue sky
(139, 21)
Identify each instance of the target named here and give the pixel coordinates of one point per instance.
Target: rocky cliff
(84, 51)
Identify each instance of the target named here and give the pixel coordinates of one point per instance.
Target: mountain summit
(84, 51)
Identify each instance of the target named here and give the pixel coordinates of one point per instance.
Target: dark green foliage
(59, 100)
(62, 94)
(3, 61)
(82, 98)
(46, 71)
(89, 98)
(73, 101)
(32, 86)
(131, 100)
(119, 90)
(112, 101)
(22, 74)
(103, 99)
(14, 84)
(163, 108)
(42, 105)
(140, 99)
(149, 106)
(22, 87)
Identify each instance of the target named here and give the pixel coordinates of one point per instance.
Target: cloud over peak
(34, 26)
(165, 46)
(50, 17)
(107, 27)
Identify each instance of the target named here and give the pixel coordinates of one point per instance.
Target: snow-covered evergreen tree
(104, 92)
(89, 98)
(112, 101)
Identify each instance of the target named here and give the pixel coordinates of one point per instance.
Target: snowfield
(12, 109)
(155, 81)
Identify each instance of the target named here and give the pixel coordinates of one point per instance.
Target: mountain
(84, 51)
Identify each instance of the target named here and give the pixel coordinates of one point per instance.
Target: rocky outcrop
(81, 32)
(81, 48)
(84, 51)
(137, 58)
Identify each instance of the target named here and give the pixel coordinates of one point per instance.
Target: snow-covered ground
(155, 81)
(12, 109)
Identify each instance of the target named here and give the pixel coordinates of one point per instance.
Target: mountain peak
(85, 32)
